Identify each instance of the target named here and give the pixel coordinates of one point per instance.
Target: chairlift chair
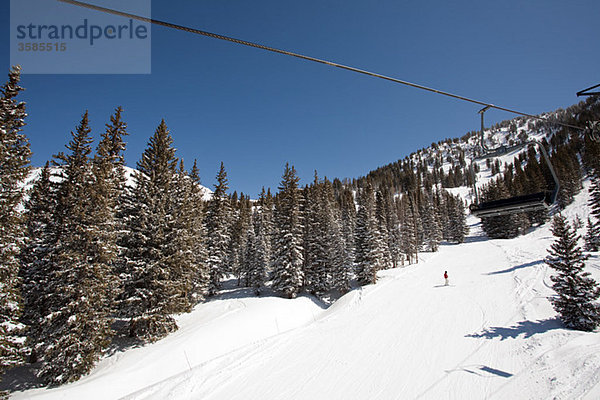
(517, 204)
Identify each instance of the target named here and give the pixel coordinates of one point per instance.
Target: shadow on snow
(516, 267)
(21, 378)
(483, 371)
(231, 289)
(525, 328)
(476, 239)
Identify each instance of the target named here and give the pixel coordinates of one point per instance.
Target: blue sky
(255, 110)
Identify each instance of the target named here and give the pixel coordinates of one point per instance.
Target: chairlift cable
(308, 58)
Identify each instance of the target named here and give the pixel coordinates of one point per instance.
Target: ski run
(490, 334)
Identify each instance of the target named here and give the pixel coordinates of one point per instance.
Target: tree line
(87, 256)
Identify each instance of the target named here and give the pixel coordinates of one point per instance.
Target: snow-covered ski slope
(491, 334)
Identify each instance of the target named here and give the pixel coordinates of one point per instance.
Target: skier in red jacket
(446, 277)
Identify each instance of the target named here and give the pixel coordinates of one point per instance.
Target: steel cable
(308, 58)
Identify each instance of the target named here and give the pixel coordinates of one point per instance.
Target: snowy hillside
(34, 175)
(129, 173)
(451, 153)
(491, 334)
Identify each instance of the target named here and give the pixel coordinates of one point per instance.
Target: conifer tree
(239, 238)
(569, 173)
(591, 154)
(576, 291)
(288, 251)
(37, 258)
(338, 261)
(258, 244)
(383, 236)
(179, 250)
(264, 223)
(151, 294)
(591, 236)
(77, 327)
(258, 254)
(366, 250)
(218, 231)
(269, 210)
(415, 201)
(410, 230)
(315, 239)
(201, 281)
(348, 217)
(14, 167)
(393, 229)
(432, 234)
(107, 191)
(457, 219)
(442, 212)
(250, 256)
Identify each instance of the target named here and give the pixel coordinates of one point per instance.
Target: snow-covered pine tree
(338, 262)
(232, 263)
(201, 281)
(36, 259)
(109, 160)
(258, 249)
(14, 167)
(239, 239)
(250, 255)
(249, 237)
(107, 191)
(442, 212)
(591, 152)
(415, 201)
(264, 223)
(393, 229)
(150, 294)
(269, 205)
(410, 230)
(457, 219)
(77, 327)
(315, 238)
(383, 237)
(576, 291)
(366, 261)
(288, 252)
(591, 236)
(218, 228)
(432, 233)
(179, 249)
(348, 216)
(569, 173)
(257, 254)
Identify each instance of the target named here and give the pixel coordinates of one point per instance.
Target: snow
(130, 181)
(36, 173)
(491, 334)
